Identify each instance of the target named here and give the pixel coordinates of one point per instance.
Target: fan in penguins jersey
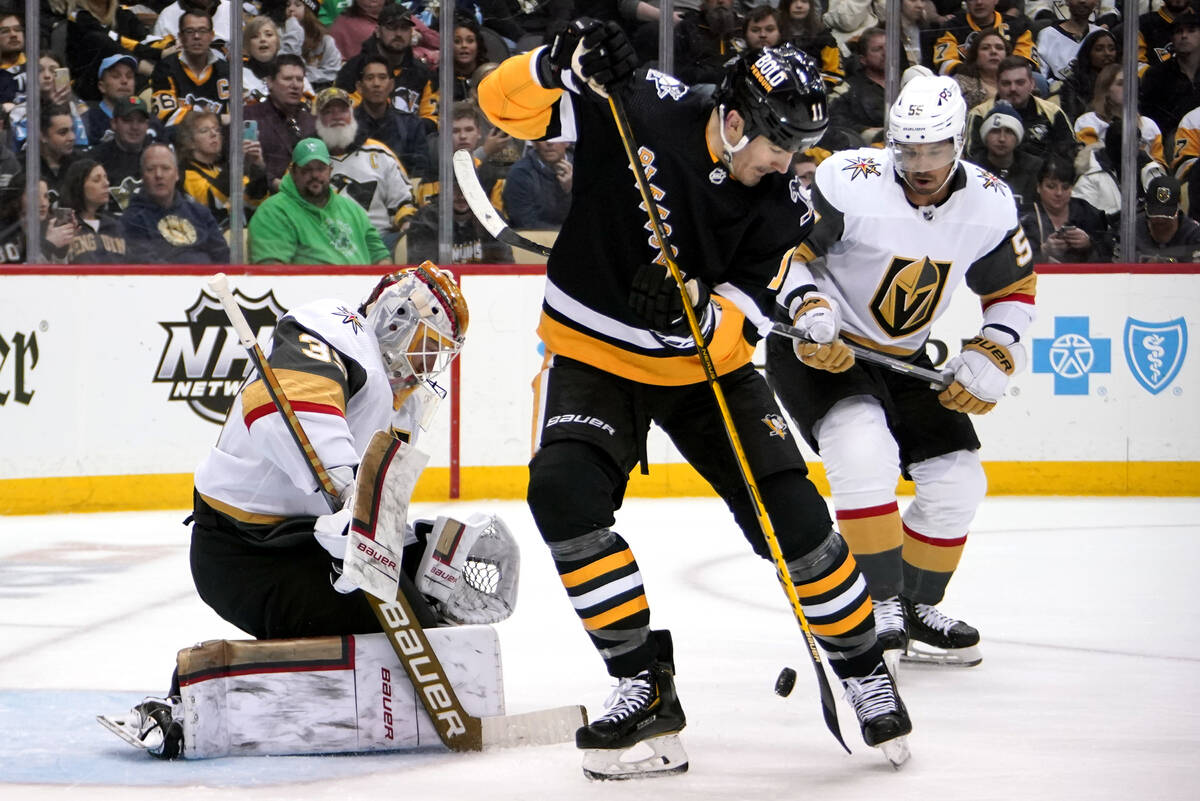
(899, 231)
(620, 356)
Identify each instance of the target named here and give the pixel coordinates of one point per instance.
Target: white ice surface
(1089, 689)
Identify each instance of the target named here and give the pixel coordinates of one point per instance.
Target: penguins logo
(777, 426)
(908, 295)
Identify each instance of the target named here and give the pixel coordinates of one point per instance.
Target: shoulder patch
(859, 165)
(666, 85)
(349, 318)
(989, 181)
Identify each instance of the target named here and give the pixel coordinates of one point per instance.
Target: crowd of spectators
(135, 104)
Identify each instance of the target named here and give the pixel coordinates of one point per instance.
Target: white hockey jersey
(329, 365)
(371, 175)
(892, 267)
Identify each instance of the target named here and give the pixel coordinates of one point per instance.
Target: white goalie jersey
(893, 267)
(329, 364)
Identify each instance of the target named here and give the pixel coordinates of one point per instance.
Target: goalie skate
(935, 638)
(151, 725)
(643, 713)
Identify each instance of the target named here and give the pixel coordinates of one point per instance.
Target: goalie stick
(482, 208)
(828, 708)
(457, 729)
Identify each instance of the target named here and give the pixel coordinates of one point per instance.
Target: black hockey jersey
(177, 90)
(736, 238)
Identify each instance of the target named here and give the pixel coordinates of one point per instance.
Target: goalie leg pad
(326, 695)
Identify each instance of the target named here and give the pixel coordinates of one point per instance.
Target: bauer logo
(1155, 351)
(203, 362)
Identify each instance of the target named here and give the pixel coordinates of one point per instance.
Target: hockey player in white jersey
(898, 231)
(267, 552)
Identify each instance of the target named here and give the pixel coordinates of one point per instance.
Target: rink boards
(113, 385)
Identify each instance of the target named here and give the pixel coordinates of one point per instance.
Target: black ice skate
(643, 712)
(891, 630)
(936, 638)
(153, 725)
(881, 713)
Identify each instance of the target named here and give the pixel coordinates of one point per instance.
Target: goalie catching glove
(819, 319)
(981, 373)
(597, 53)
(470, 570)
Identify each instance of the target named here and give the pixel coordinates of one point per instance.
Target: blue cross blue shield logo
(1155, 351)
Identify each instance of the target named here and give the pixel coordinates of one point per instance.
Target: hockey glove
(599, 54)
(819, 318)
(655, 300)
(981, 372)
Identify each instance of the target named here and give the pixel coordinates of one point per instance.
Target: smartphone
(62, 79)
(250, 130)
(63, 216)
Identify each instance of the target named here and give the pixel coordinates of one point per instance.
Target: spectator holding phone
(205, 174)
(283, 119)
(1062, 228)
(99, 238)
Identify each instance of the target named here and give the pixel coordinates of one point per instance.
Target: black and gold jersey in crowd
(177, 90)
(736, 238)
(954, 40)
(208, 185)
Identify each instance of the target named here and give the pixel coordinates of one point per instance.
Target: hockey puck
(785, 682)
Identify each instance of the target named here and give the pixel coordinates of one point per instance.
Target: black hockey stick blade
(482, 208)
(828, 706)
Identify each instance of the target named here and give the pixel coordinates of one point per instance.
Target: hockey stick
(936, 379)
(457, 729)
(617, 106)
(482, 208)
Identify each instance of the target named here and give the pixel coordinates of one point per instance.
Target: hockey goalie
(268, 555)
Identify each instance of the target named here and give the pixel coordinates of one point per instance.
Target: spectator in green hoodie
(308, 223)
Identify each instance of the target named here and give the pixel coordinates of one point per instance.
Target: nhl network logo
(203, 361)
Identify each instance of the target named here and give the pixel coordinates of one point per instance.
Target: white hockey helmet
(929, 109)
(420, 318)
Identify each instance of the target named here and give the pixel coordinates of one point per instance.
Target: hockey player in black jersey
(620, 356)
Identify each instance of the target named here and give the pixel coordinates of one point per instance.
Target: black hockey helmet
(780, 94)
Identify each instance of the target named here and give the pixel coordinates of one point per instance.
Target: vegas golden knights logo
(908, 295)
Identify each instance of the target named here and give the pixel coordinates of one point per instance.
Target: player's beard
(338, 137)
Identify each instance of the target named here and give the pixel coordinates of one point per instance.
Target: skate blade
(896, 751)
(891, 658)
(124, 729)
(920, 653)
(666, 758)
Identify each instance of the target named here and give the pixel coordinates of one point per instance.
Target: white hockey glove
(819, 318)
(981, 373)
(471, 570)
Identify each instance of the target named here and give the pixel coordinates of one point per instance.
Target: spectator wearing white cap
(1163, 232)
(1001, 133)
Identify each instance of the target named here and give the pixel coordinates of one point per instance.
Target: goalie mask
(420, 318)
(778, 91)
